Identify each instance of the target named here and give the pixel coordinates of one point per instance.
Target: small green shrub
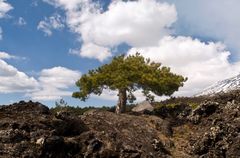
(62, 105)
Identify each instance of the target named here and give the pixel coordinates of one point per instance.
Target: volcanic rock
(29, 129)
(203, 110)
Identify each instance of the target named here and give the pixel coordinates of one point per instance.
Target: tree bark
(122, 101)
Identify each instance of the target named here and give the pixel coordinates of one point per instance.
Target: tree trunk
(122, 101)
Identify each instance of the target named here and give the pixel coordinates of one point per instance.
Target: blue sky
(46, 45)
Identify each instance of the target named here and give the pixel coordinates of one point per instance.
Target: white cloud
(55, 83)
(202, 63)
(51, 84)
(91, 50)
(107, 95)
(4, 55)
(49, 94)
(58, 77)
(146, 26)
(54, 22)
(113, 96)
(13, 80)
(213, 19)
(21, 21)
(4, 8)
(136, 23)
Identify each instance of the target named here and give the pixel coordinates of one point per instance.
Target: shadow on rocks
(66, 125)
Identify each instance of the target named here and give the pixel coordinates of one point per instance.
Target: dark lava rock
(26, 107)
(29, 129)
(203, 110)
(66, 125)
(178, 111)
(123, 135)
(176, 115)
(219, 131)
(212, 130)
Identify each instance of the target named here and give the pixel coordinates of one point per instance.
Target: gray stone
(142, 107)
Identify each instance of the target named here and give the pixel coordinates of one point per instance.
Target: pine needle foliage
(127, 74)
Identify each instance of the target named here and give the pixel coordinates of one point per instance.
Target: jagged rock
(40, 141)
(29, 129)
(66, 125)
(53, 143)
(234, 150)
(32, 108)
(206, 108)
(143, 107)
(123, 135)
(36, 132)
(63, 115)
(203, 110)
(220, 131)
(179, 111)
(215, 142)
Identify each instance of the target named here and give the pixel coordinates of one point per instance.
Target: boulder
(143, 107)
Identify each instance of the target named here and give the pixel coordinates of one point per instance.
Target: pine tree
(126, 75)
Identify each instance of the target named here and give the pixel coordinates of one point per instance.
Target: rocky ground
(212, 130)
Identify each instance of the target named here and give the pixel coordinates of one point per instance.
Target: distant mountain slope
(222, 86)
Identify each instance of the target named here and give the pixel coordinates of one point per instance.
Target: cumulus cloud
(13, 80)
(55, 83)
(4, 8)
(145, 25)
(136, 23)
(4, 55)
(113, 96)
(91, 50)
(107, 95)
(213, 19)
(54, 22)
(51, 84)
(203, 63)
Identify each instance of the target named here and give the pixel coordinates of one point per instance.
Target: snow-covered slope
(222, 86)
